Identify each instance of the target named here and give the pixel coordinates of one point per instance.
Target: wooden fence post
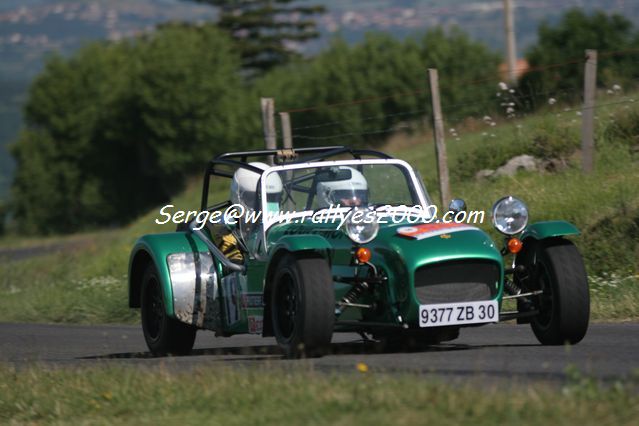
(268, 122)
(588, 112)
(440, 146)
(287, 136)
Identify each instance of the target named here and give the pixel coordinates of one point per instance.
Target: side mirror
(457, 205)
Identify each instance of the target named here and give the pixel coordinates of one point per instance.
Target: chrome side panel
(195, 290)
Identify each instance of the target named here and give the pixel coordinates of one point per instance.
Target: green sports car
(316, 241)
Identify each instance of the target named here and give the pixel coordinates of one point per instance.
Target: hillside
(83, 279)
(33, 29)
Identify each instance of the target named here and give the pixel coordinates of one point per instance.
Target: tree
(576, 32)
(117, 128)
(389, 75)
(266, 31)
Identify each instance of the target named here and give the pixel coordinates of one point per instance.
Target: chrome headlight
(362, 225)
(510, 215)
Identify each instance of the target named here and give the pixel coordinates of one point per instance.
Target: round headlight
(510, 215)
(362, 225)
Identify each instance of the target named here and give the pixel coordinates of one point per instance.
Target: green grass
(88, 285)
(107, 395)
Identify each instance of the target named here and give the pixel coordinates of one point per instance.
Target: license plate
(458, 313)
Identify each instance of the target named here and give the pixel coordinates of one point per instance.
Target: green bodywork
(549, 229)
(396, 257)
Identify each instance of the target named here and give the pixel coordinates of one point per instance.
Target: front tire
(564, 305)
(163, 334)
(303, 305)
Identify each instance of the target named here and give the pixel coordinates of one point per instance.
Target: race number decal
(255, 324)
(426, 230)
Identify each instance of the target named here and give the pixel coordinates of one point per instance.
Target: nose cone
(430, 243)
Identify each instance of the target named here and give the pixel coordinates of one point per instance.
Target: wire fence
(506, 104)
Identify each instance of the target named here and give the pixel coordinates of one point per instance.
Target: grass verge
(107, 395)
(88, 284)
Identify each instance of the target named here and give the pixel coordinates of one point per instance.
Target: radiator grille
(456, 281)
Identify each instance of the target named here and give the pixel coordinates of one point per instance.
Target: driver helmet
(244, 188)
(344, 186)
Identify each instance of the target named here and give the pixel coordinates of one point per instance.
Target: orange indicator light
(515, 245)
(363, 254)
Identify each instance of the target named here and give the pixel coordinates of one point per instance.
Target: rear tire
(303, 305)
(565, 303)
(163, 334)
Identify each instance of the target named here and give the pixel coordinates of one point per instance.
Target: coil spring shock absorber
(352, 295)
(511, 288)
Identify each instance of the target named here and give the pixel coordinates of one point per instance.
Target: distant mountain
(32, 29)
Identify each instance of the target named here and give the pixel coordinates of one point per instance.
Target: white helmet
(342, 185)
(244, 187)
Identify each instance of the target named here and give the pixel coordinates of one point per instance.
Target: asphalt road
(609, 352)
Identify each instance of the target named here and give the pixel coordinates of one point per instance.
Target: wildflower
(510, 110)
(361, 367)
(616, 87)
(609, 91)
(502, 86)
(552, 101)
(487, 118)
(578, 113)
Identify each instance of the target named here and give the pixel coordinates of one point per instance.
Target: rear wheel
(163, 335)
(564, 305)
(303, 305)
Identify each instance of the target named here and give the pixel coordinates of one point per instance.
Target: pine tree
(266, 32)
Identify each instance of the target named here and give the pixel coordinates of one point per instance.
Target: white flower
(487, 118)
(552, 101)
(493, 124)
(484, 134)
(616, 87)
(510, 110)
(610, 92)
(578, 113)
(502, 86)
(512, 90)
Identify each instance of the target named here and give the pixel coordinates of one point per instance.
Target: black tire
(163, 335)
(302, 304)
(565, 303)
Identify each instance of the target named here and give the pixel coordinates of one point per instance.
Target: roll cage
(220, 165)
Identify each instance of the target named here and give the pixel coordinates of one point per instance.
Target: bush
(116, 128)
(554, 140)
(388, 74)
(576, 32)
(612, 244)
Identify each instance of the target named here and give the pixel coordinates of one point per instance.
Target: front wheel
(564, 305)
(303, 305)
(163, 334)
